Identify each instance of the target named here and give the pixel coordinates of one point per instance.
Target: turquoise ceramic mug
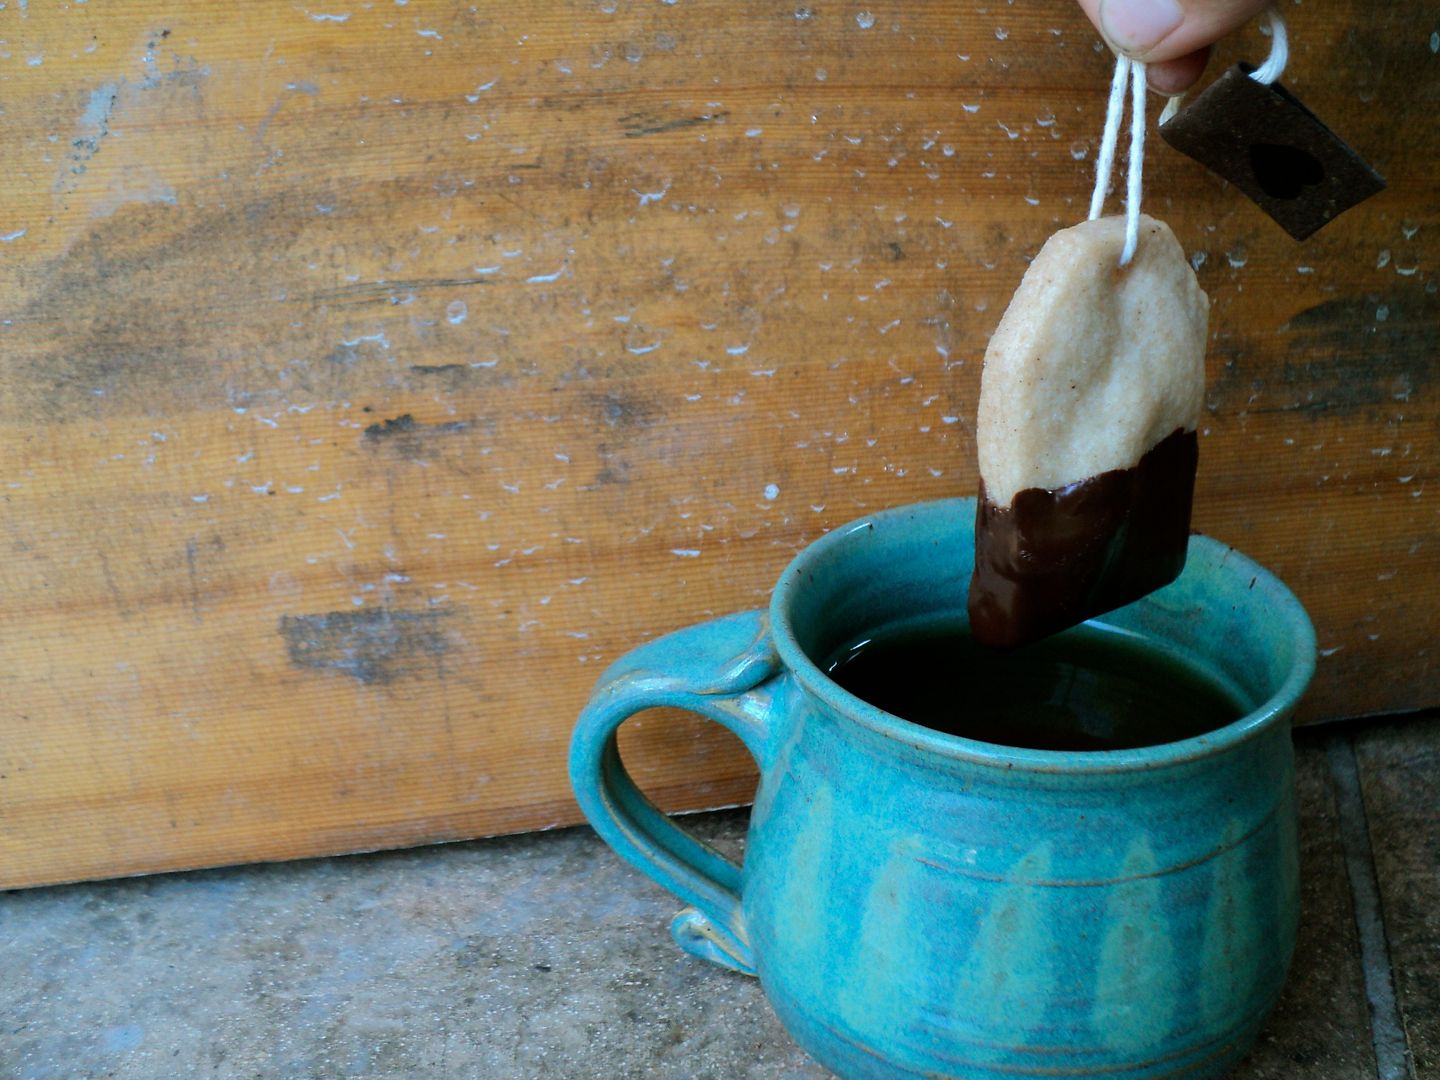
(918, 904)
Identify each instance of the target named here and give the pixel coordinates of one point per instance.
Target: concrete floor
(545, 956)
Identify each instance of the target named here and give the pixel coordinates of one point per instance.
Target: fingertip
(1176, 76)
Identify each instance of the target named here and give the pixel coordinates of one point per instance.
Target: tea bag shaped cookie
(1089, 401)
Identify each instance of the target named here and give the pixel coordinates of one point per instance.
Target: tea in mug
(1089, 688)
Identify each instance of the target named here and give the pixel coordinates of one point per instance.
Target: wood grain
(372, 374)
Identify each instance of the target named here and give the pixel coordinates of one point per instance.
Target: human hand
(1173, 37)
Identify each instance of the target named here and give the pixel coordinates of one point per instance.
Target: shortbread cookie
(1089, 402)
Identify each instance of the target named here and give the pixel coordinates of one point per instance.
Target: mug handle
(723, 670)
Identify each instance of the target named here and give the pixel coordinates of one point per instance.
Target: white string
(1105, 163)
(1266, 73)
(1274, 65)
(1137, 161)
(1134, 70)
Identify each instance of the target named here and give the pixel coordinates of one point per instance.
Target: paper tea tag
(1265, 141)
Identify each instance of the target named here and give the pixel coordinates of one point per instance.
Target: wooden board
(372, 374)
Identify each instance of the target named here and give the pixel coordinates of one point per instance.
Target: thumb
(1159, 30)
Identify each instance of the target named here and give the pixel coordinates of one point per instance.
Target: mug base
(853, 1059)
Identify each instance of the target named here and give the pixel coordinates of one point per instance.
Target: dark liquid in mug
(1085, 689)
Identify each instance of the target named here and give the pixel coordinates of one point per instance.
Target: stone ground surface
(545, 956)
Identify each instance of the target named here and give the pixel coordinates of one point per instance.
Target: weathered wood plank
(373, 374)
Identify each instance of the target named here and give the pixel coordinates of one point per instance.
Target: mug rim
(855, 709)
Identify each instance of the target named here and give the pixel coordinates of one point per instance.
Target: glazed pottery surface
(917, 904)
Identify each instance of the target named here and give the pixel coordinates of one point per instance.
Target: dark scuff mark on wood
(190, 549)
(387, 429)
(375, 646)
(97, 331)
(443, 444)
(95, 121)
(389, 292)
(137, 351)
(1363, 355)
(631, 427)
(639, 124)
(406, 424)
(403, 437)
(625, 409)
(614, 469)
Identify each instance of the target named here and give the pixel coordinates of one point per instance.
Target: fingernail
(1137, 26)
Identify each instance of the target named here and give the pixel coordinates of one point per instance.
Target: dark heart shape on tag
(1284, 172)
(1265, 141)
